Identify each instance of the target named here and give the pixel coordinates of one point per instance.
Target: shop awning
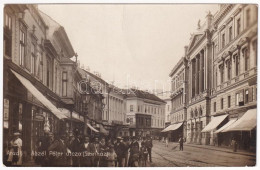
(37, 94)
(172, 127)
(226, 125)
(214, 123)
(92, 128)
(246, 123)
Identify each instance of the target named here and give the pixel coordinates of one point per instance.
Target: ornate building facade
(222, 66)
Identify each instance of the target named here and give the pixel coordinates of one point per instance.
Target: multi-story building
(145, 112)
(40, 79)
(234, 88)
(222, 66)
(199, 55)
(179, 96)
(113, 113)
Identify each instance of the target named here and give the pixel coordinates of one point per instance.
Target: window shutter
(250, 94)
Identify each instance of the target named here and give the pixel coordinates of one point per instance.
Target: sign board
(6, 109)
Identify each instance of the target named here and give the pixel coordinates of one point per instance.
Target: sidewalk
(216, 148)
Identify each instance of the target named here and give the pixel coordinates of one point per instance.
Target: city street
(194, 156)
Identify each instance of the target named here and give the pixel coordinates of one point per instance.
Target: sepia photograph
(129, 85)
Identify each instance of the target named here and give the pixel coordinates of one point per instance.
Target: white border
(116, 2)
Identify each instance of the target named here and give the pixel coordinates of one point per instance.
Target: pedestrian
(143, 155)
(149, 145)
(15, 153)
(86, 159)
(112, 157)
(127, 144)
(43, 145)
(76, 148)
(181, 143)
(103, 153)
(234, 144)
(166, 142)
(96, 152)
(120, 151)
(134, 153)
(57, 152)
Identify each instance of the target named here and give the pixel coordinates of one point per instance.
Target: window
(237, 64)
(8, 35)
(41, 66)
(215, 106)
(223, 40)
(229, 69)
(229, 101)
(238, 26)
(222, 103)
(230, 33)
(64, 83)
(138, 109)
(221, 69)
(131, 108)
(246, 96)
(33, 58)
(246, 56)
(22, 47)
(168, 107)
(248, 17)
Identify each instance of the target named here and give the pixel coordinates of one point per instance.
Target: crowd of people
(90, 151)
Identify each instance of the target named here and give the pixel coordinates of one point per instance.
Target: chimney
(209, 19)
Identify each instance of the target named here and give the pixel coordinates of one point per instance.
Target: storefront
(173, 131)
(26, 110)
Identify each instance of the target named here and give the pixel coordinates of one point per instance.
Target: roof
(55, 27)
(82, 72)
(142, 94)
(52, 24)
(175, 68)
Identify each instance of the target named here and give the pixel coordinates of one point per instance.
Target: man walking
(76, 147)
(149, 145)
(181, 143)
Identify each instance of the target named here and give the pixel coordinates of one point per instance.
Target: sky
(130, 44)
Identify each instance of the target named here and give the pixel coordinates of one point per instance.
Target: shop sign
(117, 122)
(38, 117)
(6, 109)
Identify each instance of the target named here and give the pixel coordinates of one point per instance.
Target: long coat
(58, 146)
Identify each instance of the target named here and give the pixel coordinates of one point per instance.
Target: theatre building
(234, 77)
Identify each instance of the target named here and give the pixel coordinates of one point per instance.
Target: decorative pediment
(194, 39)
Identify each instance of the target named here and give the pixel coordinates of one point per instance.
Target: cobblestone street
(198, 155)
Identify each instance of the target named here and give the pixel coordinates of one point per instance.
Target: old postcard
(129, 85)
